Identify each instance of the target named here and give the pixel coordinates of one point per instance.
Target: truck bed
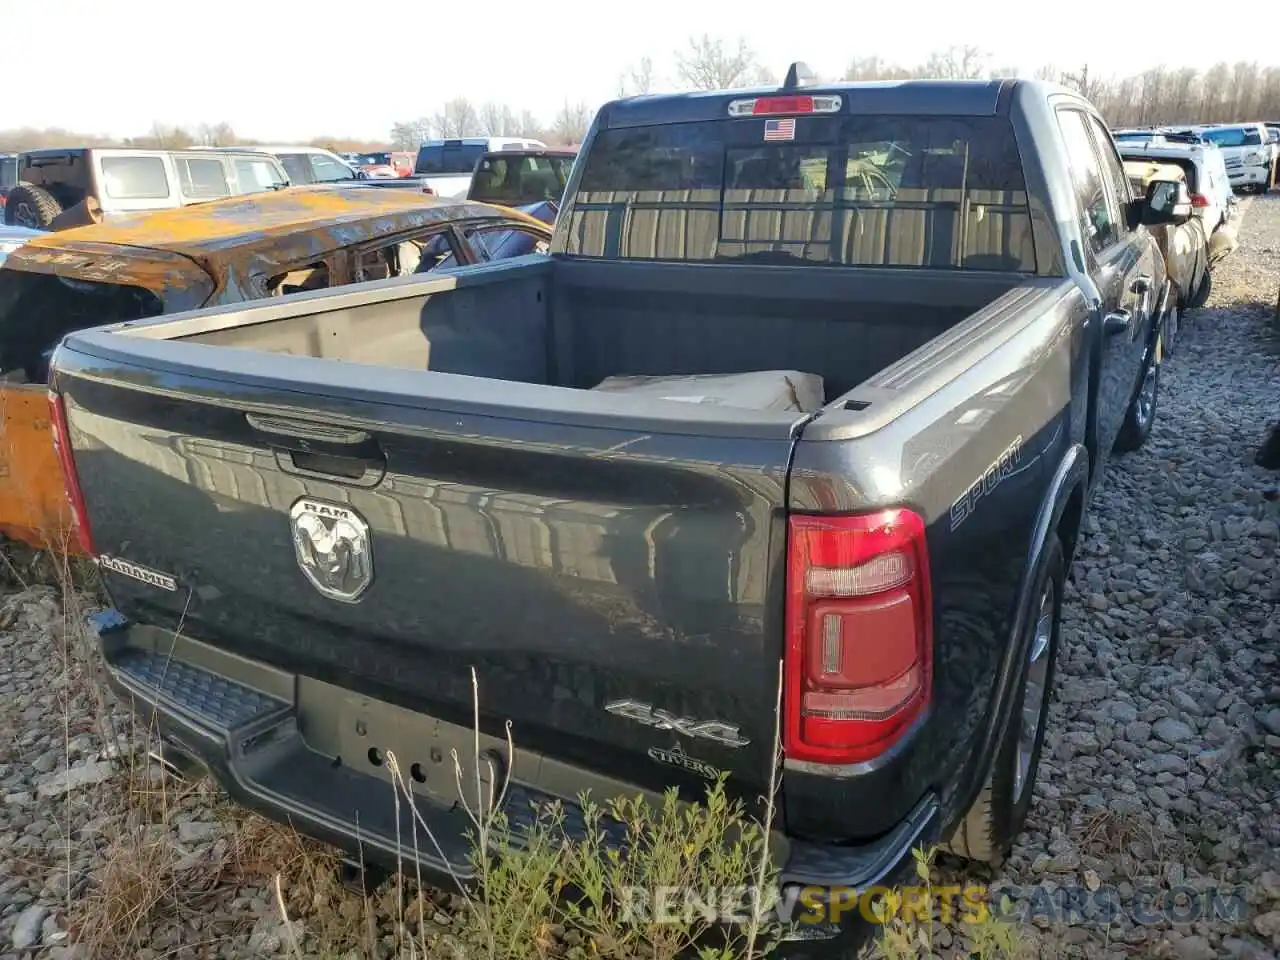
(574, 323)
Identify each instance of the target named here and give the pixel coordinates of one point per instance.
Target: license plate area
(362, 734)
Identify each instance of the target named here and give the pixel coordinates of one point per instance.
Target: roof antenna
(798, 75)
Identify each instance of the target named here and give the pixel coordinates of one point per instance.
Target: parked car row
(56, 188)
(1250, 151)
(1198, 161)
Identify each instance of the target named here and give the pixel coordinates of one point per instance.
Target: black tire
(1201, 295)
(989, 829)
(1172, 327)
(30, 206)
(1141, 413)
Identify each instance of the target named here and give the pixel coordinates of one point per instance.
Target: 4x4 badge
(716, 730)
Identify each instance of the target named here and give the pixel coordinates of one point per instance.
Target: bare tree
(409, 134)
(350, 144)
(1213, 106)
(1269, 94)
(528, 125)
(708, 65)
(498, 120)
(1152, 99)
(166, 137)
(216, 135)
(1049, 71)
(873, 68)
(1184, 95)
(956, 63)
(1246, 78)
(636, 79)
(570, 124)
(458, 118)
(1084, 82)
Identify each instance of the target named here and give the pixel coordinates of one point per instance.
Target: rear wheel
(30, 206)
(997, 816)
(1172, 323)
(1201, 295)
(1141, 415)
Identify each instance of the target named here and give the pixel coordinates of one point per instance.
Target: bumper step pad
(216, 702)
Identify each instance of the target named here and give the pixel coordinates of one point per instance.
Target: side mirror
(1167, 202)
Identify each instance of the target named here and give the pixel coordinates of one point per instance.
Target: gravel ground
(1161, 769)
(1162, 757)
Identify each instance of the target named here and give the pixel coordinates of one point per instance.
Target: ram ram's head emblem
(332, 545)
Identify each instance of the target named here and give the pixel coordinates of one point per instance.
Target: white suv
(1247, 152)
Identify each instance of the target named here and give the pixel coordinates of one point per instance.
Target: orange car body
(197, 256)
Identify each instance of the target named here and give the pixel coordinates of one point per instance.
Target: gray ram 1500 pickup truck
(315, 516)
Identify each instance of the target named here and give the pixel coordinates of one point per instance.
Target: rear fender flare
(1071, 478)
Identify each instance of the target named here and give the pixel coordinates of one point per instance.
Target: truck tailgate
(616, 585)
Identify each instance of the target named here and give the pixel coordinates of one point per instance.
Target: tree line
(1227, 92)
(163, 136)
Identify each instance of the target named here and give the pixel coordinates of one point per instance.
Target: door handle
(1116, 322)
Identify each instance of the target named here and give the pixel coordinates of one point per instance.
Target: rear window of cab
(886, 191)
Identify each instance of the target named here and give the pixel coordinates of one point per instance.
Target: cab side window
(1097, 220)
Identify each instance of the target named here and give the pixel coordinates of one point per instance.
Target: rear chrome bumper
(255, 729)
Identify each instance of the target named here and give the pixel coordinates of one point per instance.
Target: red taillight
(1199, 200)
(426, 189)
(70, 479)
(859, 654)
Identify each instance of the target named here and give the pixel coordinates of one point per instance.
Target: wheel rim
(1147, 396)
(1033, 700)
(24, 216)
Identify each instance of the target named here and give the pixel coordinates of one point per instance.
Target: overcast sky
(291, 71)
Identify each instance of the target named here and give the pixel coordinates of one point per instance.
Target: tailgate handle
(322, 450)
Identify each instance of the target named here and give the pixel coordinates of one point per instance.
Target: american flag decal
(780, 129)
